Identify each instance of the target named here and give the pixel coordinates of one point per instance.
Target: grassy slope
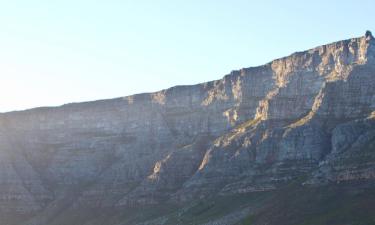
(330, 205)
(344, 204)
(292, 205)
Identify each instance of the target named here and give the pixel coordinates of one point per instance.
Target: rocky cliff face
(310, 115)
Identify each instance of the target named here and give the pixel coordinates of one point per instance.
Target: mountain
(289, 142)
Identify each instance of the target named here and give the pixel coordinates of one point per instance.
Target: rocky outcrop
(308, 115)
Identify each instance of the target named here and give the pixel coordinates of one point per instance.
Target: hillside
(288, 142)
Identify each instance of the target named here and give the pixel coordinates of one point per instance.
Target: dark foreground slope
(290, 142)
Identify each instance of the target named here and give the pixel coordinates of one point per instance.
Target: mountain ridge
(297, 123)
(368, 35)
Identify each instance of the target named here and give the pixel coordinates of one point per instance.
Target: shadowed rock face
(311, 114)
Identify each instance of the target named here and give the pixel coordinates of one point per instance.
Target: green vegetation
(291, 205)
(344, 204)
(248, 220)
(328, 205)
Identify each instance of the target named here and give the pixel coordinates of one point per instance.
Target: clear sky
(56, 52)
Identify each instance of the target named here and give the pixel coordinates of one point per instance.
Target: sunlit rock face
(311, 114)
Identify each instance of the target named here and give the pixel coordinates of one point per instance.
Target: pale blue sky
(55, 52)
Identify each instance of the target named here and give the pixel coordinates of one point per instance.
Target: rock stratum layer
(300, 124)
